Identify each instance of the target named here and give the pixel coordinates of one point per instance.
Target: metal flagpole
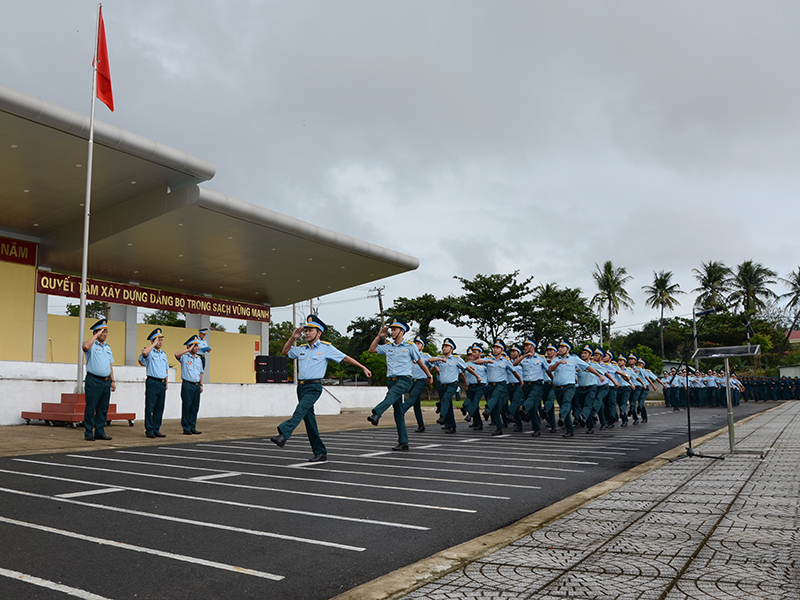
(87, 212)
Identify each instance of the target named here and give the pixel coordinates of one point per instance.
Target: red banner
(17, 251)
(57, 284)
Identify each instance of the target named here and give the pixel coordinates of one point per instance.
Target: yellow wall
(63, 343)
(17, 293)
(232, 356)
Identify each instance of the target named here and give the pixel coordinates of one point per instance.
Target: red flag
(103, 70)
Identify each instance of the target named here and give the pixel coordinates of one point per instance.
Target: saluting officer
(563, 371)
(155, 386)
(498, 369)
(476, 386)
(191, 386)
(312, 362)
(98, 383)
(399, 358)
(534, 374)
(451, 367)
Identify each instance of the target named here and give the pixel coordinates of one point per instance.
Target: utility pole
(379, 294)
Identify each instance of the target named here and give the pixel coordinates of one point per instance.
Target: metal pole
(87, 215)
(294, 326)
(731, 433)
(694, 331)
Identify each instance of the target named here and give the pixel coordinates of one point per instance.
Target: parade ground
(227, 514)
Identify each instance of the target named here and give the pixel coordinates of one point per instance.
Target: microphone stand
(690, 451)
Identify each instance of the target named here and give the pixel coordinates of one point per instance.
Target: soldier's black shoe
(463, 411)
(450, 430)
(194, 431)
(373, 418)
(89, 438)
(497, 432)
(478, 427)
(590, 431)
(278, 440)
(158, 434)
(536, 433)
(401, 448)
(318, 458)
(553, 430)
(560, 422)
(568, 435)
(102, 437)
(150, 434)
(438, 407)
(440, 421)
(420, 429)
(517, 428)
(486, 415)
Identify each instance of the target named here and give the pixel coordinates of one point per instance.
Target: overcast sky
(480, 137)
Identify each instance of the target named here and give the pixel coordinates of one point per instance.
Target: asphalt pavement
(228, 514)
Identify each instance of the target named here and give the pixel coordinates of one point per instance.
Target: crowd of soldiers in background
(622, 394)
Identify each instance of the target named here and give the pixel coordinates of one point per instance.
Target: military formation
(554, 389)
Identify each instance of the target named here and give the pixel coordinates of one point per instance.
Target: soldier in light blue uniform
(613, 372)
(154, 359)
(625, 391)
(648, 377)
(586, 391)
(191, 385)
(420, 382)
(399, 358)
(498, 367)
(475, 389)
(312, 363)
(202, 345)
(548, 392)
(98, 383)
(534, 374)
(514, 387)
(564, 370)
(451, 367)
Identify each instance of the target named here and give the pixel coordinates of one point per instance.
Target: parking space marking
(345, 462)
(252, 487)
(58, 587)
(286, 477)
(428, 446)
(122, 545)
(375, 454)
(205, 477)
(91, 492)
(232, 503)
(138, 513)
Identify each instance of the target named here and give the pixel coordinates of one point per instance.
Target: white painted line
(469, 440)
(273, 476)
(374, 454)
(180, 557)
(232, 503)
(428, 446)
(139, 513)
(306, 464)
(58, 587)
(253, 487)
(215, 476)
(384, 465)
(91, 492)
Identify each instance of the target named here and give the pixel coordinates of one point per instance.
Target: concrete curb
(407, 579)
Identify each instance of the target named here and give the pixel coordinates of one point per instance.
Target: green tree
(749, 284)
(422, 310)
(661, 294)
(362, 331)
(375, 363)
(278, 334)
(165, 318)
(94, 310)
(561, 312)
(713, 278)
(792, 298)
(611, 293)
(494, 305)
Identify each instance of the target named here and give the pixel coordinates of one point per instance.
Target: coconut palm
(713, 278)
(661, 294)
(611, 282)
(792, 297)
(749, 286)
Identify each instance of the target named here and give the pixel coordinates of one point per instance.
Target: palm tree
(749, 285)
(661, 294)
(793, 297)
(611, 285)
(713, 278)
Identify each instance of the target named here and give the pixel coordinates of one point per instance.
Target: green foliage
(278, 334)
(611, 293)
(376, 364)
(362, 331)
(216, 326)
(494, 305)
(558, 313)
(165, 318)
(94, 310)
(422, 310)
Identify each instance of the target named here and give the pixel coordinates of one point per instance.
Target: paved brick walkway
(696, 528)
